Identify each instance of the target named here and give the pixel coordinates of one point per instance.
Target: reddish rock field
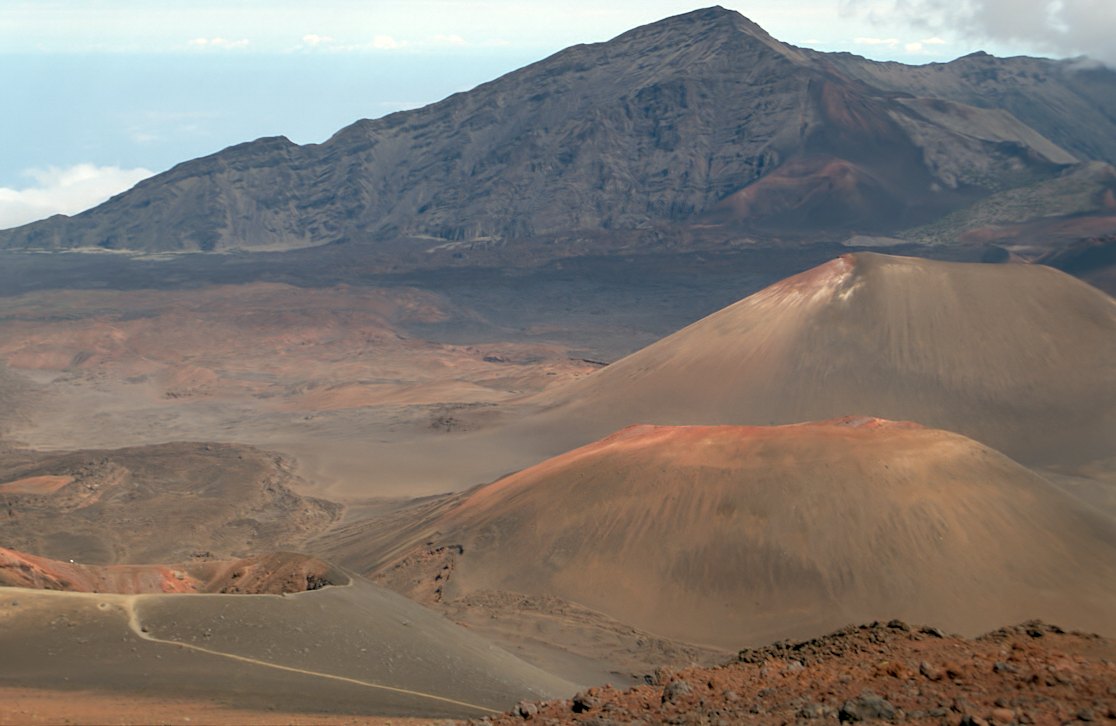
(1032, 673)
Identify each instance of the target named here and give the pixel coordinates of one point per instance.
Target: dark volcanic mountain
(699, 124)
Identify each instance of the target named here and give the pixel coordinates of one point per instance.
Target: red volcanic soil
(725, 536)
(271, 574)
(36, 485)
(268, 574)
(859, 169)
(1028, 674)
(1020, 357)
(326, 348)
(22, 570)
(809, 192)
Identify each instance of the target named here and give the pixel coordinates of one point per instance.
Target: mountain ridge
(699, 121)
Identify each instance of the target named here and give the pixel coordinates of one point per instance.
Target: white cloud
(1061, 27)
(438, 42)
(67, 190)
(387, 42)
(889, 42)
(314, 40)
(923, 47)
(218, 42)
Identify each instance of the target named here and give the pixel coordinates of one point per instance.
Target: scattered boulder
(583, 702)
(526, 709)
(866, 707)
(930, 672)
(675, 690)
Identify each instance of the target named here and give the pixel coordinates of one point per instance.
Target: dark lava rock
(930, 672)
(583, 702)
(866, 707)
(811, 711)
(526, 709)
(676, 690)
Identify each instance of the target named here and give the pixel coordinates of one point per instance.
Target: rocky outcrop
(1032, 673)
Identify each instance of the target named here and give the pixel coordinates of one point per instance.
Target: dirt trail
(129, 605)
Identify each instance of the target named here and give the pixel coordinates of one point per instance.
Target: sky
(99, 94)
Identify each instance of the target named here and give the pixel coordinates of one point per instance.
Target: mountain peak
(710, 15)
(701, 32)
(717, 21)
(715, 13)
(722, 16)
(713, 17)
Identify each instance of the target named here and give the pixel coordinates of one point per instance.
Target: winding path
(129, 605)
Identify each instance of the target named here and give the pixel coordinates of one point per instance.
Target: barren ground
(371, 396)
(731, 535)
(1028, 674)
(25, 706)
